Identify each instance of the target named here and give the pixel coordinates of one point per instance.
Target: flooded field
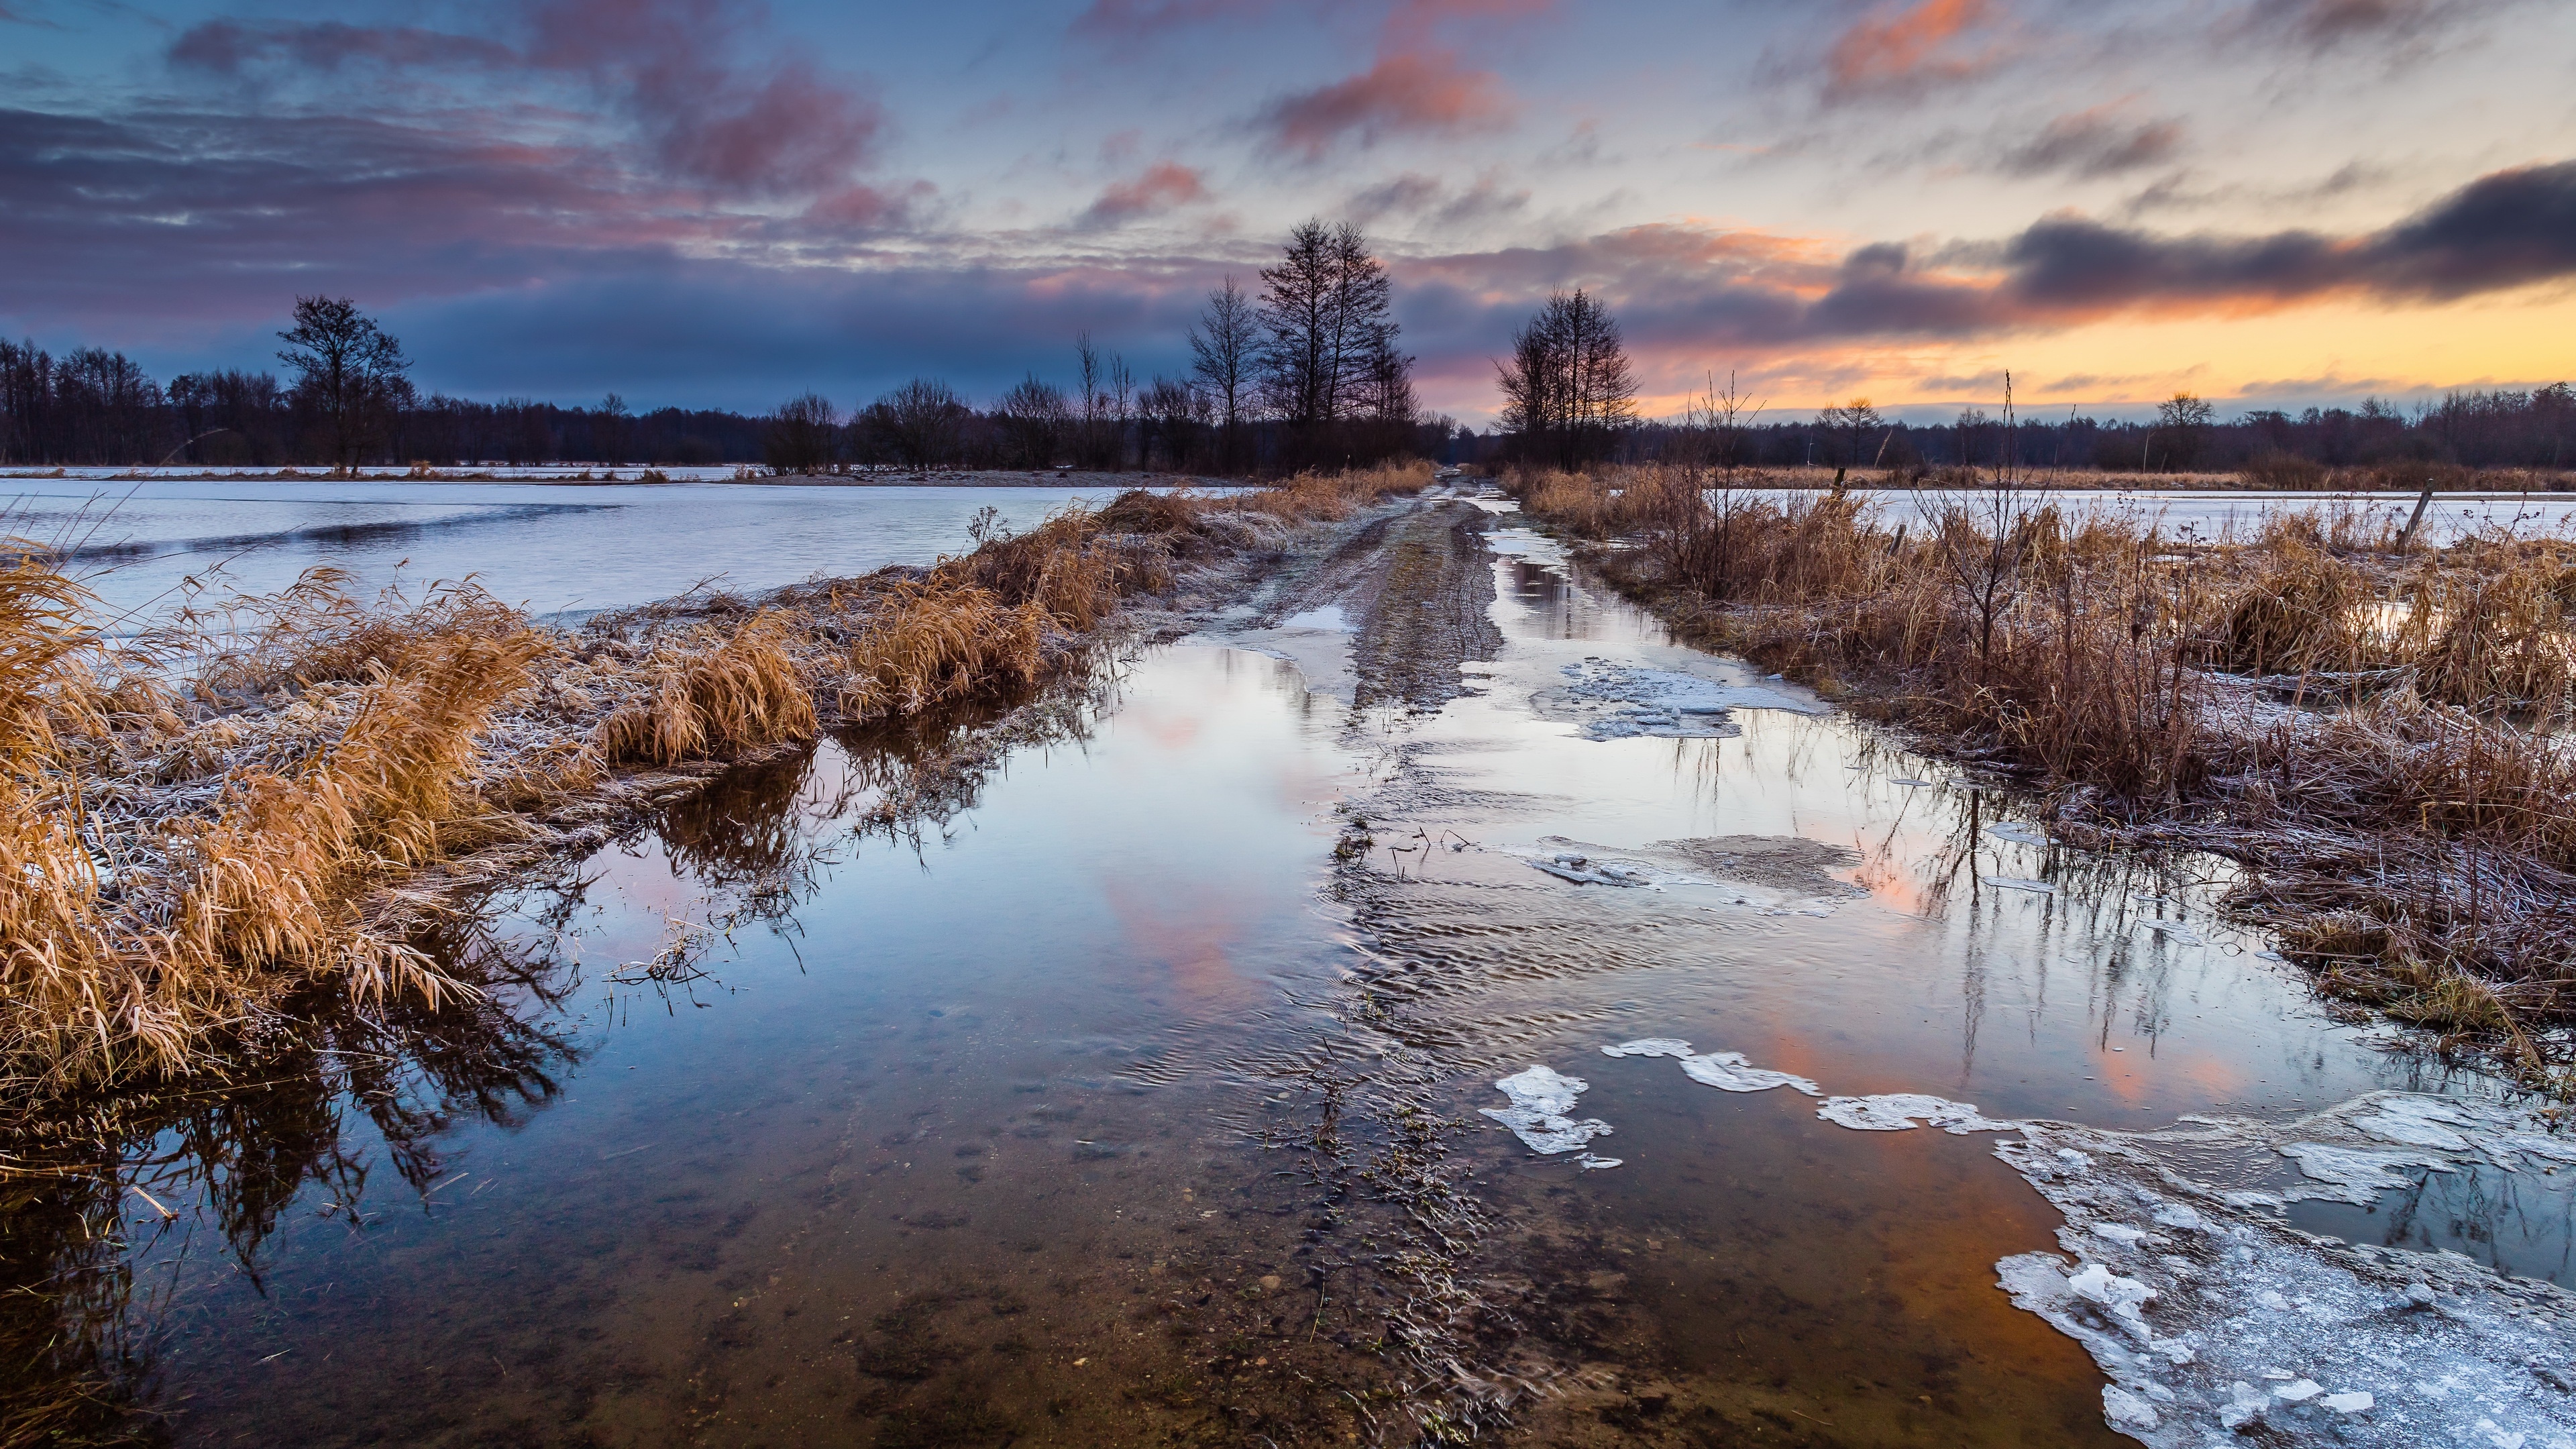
(1178, 1079)
(553, 548)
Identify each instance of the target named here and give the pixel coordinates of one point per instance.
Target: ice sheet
(1623, 701)
(2215, 1320)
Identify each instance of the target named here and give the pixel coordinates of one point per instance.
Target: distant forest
(1242, 410)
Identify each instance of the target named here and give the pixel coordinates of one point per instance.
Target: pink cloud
(1403, 92)
(1165, 184)
(1913, 47)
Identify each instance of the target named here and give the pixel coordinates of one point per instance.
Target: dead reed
(2373, 734)
(196, 822)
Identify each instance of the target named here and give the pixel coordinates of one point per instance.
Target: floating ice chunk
(2353, 1403)
(2016, 883)
(2416, 1122)
(1541, 1098)
(1897, 1111)
(1729, 1072)
(2245, 1403)
(2127, 1410)
(1623, 701)
(1652, 1046)
(2120, 1297)
(1588, 870)
(2017, 834)
(1594, 1162)
(2178, 1215)
(2174, 932)
(2354, 1174)
(2121, 1233)
(2300, 1392)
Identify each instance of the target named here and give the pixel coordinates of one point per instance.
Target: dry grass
(198, 822)
(2416, 846)
(739, 695)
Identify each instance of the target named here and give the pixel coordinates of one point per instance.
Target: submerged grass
(201, 820)
(2377, 734)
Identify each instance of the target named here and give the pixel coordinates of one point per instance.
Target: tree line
(1304, 369)
(1569, 398)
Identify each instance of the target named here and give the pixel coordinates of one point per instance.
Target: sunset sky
(2268, 202)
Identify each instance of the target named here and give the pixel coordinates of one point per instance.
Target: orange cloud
(1404, 91)
(1908, 49)
(1164, 185)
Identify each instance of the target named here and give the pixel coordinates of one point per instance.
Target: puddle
(1232, 1064)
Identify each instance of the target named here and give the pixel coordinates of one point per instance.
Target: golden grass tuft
(742, 694)
(940, 641)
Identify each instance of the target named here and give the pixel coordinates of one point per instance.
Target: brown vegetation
(201, 821)
(2374, 734)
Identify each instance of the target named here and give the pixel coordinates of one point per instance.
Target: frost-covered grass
(202, 819)
(2376, 730)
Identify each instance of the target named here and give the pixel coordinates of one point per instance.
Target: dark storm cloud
(1688, 286)
(765, 126)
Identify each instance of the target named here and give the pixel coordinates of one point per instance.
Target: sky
(2263, 202)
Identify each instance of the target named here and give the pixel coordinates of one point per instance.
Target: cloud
(228, 47)
(1910, 50)
(1414, 85)
(1128, 18)
(1164, 185)
(1693, 287)
(2095, 143)
(1413, 194)
(2324, 25)
(762, 127)
(1403, 92)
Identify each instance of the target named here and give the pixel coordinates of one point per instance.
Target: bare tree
(348, 372)
(1851, 424)
(1568, 389)
(2182, 429)
(1718, 420)
(1328, 352)
(1122, 397)
(1095, 400)
(917, 424)
(1225, 351)
(608, 426)
(1033, 417)
(798, 438)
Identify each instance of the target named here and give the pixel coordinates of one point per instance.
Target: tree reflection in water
(329, 1097)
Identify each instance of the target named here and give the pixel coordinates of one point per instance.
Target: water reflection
(105, 1209)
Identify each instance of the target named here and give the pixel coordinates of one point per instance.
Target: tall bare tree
(1225, 355)
(1568, 389)
(1328, 351)
(349, 373)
